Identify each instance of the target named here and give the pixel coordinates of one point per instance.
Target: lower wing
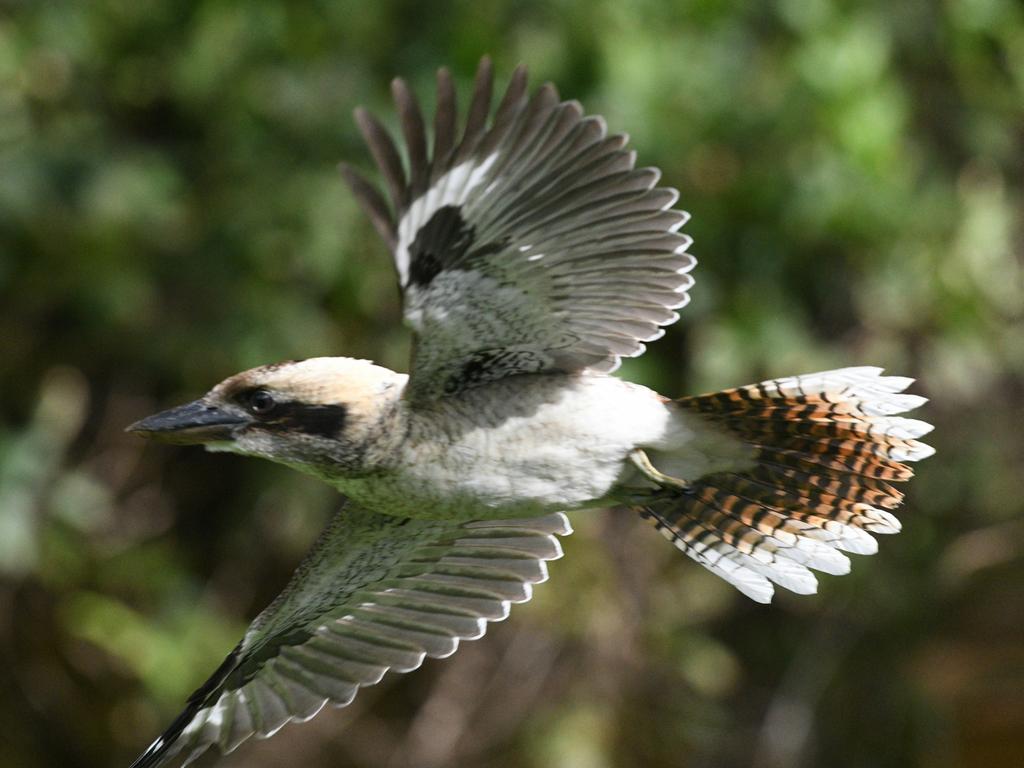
(376, 593)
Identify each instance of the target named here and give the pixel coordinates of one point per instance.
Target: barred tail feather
(826, 448)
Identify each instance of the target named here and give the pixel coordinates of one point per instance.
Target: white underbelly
(519, 448)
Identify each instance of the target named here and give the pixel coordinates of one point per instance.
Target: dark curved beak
(193, 423)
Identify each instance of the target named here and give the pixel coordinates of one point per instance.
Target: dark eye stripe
(325, 420)
(322, 420)
(293, 416)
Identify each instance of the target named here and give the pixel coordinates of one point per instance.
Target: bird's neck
(384, 438)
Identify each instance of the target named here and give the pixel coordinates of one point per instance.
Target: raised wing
(532, 244)
(376, 593)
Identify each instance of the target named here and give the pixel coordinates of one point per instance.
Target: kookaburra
(532, 256)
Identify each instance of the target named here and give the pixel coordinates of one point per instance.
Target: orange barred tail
(826, 447)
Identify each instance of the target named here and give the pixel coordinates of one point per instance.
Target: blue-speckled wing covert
(529, 244)
(376, 593)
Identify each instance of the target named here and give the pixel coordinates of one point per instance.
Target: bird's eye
(261, 402)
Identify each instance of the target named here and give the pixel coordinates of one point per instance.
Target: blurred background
(170, 213)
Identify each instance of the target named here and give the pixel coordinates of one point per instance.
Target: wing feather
(444, 123)
(415, 136)
(372, 202)
(479, 107)
(385, 153)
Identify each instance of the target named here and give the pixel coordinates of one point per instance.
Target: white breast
(521, 446)
(536, 444)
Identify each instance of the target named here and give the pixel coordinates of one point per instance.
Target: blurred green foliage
(170, 213)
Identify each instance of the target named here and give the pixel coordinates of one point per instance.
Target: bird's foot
(642, 462)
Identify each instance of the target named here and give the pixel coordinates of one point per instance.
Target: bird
(532, 256)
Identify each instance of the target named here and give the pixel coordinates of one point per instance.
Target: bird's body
(530, 445)
(527, 445)
(532, 257)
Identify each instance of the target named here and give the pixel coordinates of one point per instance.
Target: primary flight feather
(532, 256)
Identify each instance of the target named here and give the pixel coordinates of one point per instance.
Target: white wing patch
(454, 188)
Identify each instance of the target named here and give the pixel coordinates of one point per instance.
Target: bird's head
(323, 415)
